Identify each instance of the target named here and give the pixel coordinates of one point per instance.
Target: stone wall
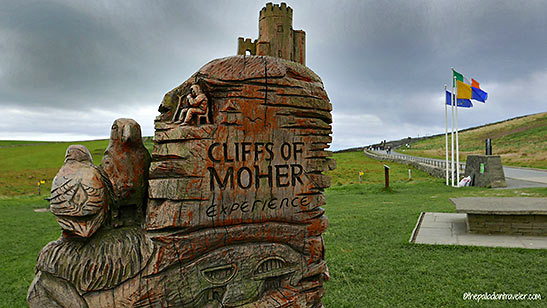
(435, 171)
(532, 225)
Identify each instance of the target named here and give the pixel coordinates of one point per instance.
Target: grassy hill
(371, 263)
(24, 163)
(520, 142)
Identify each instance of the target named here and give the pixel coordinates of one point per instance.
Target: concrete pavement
(451, 229)
(526, 174)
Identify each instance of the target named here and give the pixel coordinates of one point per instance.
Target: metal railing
(441, 164)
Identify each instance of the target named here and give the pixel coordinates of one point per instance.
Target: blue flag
(478, 95)
(465, 103)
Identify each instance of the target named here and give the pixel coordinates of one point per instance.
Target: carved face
(126, 131)
(195, 90)
(235, 276)
(78, 153)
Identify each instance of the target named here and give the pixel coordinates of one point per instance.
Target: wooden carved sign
(235, 194)
(238, 201)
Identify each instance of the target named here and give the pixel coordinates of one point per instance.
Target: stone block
(489, 175)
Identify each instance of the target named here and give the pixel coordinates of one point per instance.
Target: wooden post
(409, 174)
(386, 172)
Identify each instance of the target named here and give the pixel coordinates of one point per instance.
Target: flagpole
(446, 133)
(457, 147)
(452, 133)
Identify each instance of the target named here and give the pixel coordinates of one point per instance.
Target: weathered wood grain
(234, 212)
(252, 176)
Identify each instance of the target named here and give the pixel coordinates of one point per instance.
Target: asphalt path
(526, 174)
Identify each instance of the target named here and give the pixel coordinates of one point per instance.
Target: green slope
(24, 163)
(371, 263)
(520, 142)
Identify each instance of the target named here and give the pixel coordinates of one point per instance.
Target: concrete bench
(522, 216)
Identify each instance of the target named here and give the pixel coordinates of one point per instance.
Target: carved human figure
(197, 105)
(234, 216)
(126, 162)
(79, 194)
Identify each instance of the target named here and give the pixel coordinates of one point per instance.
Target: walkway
(515, 177)
(526, 174)
(451, 229)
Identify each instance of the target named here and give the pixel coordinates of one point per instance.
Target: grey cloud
(99, 53)
(387, 59)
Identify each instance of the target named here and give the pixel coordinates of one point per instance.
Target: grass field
(370, 261)
(372, 264)
(520, 142)
(25, 163)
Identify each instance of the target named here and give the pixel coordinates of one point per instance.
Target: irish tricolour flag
(469, 91)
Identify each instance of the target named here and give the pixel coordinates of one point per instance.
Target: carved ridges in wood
(102, 263)
(188, 213)
(79, 194)
(240, 275)
(261, 95)
(254, 78)
(251, 178)
(234, 216)
(182, 247)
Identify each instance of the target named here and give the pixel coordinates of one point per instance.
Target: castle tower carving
(276, 36)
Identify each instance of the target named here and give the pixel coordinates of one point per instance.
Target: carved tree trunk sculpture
(234, 215)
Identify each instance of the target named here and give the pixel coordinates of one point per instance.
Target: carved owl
(79, 194)
(125, 163)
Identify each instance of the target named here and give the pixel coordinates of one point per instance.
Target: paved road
(525, 174)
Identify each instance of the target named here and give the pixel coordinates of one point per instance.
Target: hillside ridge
(520, 141)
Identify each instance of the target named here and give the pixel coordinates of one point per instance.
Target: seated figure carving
(197, 105)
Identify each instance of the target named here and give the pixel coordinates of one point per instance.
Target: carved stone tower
(276, 37)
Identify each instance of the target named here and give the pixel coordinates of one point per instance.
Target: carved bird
(126, 162)
(79, 194)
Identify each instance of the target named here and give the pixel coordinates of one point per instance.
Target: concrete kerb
(451, 229)
(416, 228)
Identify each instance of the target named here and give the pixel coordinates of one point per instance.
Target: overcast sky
(69, 68)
